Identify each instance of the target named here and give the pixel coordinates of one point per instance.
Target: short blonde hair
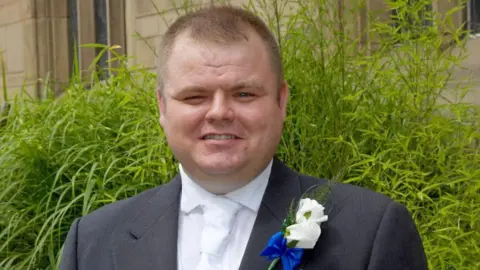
(219, 24)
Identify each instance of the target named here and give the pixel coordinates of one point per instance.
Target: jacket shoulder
(355, 215)
(348, 194)
(104, 218)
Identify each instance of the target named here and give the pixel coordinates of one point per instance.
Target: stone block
(44, 47)
(148, 26)
(15, 80)
(2, 15)
(30, 48)
(150, 7)
(6, 2)
(117, 19)
(24, 91)
(145, 52)
(26, 9)
(15, 11)
(379, 10)
(167, 19)
(86, 29)
(51, 8)
(353, 12)
(60, 8)
(60, 43)
(130, 27)
(457, 18)
(42, 7)
(10, 13)
(145, 7)
(3, 38)
(15, 48)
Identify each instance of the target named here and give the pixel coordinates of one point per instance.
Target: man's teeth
(219, 137)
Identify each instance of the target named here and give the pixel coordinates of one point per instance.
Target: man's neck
(226, 183)
(221, 187)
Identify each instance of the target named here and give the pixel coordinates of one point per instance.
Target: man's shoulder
(367, 227)
(116, 213)
(350, 196)
(353, 208)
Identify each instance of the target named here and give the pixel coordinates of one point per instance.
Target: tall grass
(372, 114)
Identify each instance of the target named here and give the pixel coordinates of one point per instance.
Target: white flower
(306, 233)
(310, 210)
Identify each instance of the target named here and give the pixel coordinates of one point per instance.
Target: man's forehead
(249, 39)
(188, 50)
(201, 59)
(196, 61)
(198, 84)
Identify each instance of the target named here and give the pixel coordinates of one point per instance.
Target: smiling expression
(222, 109)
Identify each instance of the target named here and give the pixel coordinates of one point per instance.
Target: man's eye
(245, 94)
(193, 97)
(193, 100)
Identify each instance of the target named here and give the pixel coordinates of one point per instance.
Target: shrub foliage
(382, 116)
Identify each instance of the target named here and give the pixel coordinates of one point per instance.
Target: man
(222, 101)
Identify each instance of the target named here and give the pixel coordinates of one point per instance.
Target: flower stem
(273, 264)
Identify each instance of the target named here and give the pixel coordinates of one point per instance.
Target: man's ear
(283, 98)
(161, 107)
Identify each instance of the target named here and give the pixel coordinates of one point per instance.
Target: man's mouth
(219, 137)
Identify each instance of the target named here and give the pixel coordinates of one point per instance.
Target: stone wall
(34, 35)
(145, 26)
(18, 45)
(468, 72)
(147, 20)
(35, 41)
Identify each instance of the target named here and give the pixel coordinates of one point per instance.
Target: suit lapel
(150, 241)
(283, 187)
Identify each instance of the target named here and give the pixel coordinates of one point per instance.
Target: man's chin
(221, 167)
(219, 170)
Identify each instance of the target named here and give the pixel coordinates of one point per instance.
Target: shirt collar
(192, 195)
(250, 195)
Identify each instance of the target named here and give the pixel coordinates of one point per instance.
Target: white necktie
(219, 215)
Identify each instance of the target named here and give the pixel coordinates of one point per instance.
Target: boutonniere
(300, 230)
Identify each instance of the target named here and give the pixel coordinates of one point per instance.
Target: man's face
(221, 109)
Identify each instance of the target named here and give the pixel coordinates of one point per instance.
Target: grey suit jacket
(365, 230)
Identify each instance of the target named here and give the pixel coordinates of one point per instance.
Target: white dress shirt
(191, 220)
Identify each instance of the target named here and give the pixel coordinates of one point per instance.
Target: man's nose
(220, 108)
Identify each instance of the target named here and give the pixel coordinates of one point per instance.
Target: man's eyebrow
(235, 87)
(246, 84)
(192, 88)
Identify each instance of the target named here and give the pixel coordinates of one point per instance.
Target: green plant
(64, 157)
(371, 114)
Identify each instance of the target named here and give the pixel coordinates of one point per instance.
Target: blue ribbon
(277, 248)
